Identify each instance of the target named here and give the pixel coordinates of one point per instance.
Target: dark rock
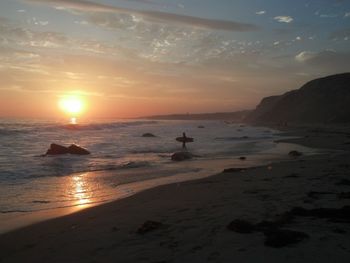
(148, 135)
(278, 238)
(343, 182)
(56, 149)
(201, 127)
(315, 194)
(295, 154)
(149, 226)
(280, 221)
(241, 226)
(292, 175)
(242, 158)
(334, 214)
(344, 195)
(76, 149)
(234, 170)
(181, 156)
(339, 230)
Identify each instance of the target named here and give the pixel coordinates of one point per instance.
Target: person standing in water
(184, 138)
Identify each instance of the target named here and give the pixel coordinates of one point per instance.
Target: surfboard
(182, 139)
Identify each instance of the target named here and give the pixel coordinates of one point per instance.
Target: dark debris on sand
(276, 236)
(149, 226)
(241, 226)
(332, 214)
(234, 170)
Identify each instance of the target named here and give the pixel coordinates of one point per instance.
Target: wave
(130, 165)
(242, 138)
(30, 210)
(65, 170)
(11, 131)
(155, 151)
(18, 128)
(100, 126)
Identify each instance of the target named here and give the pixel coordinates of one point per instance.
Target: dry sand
(194, 216)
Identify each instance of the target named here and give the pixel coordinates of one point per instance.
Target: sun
(72, 105)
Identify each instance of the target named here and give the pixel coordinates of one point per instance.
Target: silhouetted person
(184, 140)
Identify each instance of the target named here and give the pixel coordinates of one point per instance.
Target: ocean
(120, 156)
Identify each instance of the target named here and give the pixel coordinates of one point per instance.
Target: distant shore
(188, 221)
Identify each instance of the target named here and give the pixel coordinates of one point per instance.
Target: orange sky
(138, 58)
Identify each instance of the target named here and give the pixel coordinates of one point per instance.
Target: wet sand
(188, 221)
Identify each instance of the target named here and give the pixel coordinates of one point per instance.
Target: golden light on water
(73, 120)
(80, 190)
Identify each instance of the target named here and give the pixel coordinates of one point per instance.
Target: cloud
(12, 35)
(154, 16)
(328, 15)
(304, 56)
(347, 14)
(328, 60)
(284, 19)
(262, 12)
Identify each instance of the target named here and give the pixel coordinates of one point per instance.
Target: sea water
(120, 155)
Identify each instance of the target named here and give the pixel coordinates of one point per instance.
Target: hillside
(237, 116)
(323, 100)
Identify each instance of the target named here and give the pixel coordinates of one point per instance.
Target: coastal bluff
(324, 100)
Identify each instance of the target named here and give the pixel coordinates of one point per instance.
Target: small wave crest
(133, 164)
(11, 131)
(242, 138)
(67, 171)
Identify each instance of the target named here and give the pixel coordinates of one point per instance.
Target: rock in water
(295, 154)
(75, 149)
(56, 149)
(149, 135)
(181, 156)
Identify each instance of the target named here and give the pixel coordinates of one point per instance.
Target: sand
(191, 218)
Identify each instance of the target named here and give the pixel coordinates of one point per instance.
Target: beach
(190, 221)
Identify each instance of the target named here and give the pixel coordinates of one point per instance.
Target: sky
(129, 58)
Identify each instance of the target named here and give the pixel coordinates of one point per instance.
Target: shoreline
(194, 215)
(12, 221)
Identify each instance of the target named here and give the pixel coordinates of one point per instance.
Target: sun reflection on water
(81, 191)
(73, 120)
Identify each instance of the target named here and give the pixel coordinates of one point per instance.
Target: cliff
(323, 100)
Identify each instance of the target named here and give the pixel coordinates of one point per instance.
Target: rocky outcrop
(56, 149)
(324, 100)
(148, 135)
(295, 153)
(75, 149)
